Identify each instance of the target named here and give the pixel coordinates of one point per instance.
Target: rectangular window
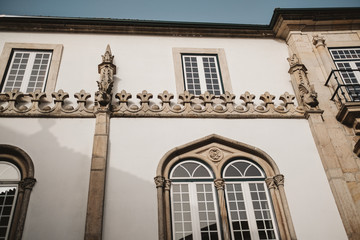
(27, 71)
(202, 73)
(28, 67)
(348, 61)
(198, 70)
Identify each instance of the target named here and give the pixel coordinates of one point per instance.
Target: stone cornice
(37, 104)
(282, 22)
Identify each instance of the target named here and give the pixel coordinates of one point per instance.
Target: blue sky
(225, 11)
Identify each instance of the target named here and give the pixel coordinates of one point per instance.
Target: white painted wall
(146, 62)
(137, 145)
(61, 152)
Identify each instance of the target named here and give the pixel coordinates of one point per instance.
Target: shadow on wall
(57, 207)
(130, 206)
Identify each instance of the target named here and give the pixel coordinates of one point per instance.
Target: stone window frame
(56, 49)
(216, 152)
(23, 162)
(222, 62)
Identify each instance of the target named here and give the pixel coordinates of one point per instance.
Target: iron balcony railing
(348, 87)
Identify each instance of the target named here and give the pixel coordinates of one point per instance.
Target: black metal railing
(345, 91)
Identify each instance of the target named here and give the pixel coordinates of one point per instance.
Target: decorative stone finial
(106, 70)
(107, 57)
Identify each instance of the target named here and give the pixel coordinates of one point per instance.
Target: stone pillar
(220, 184)
(159, 182)
(96, 194)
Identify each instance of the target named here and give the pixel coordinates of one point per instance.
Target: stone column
(167, 209)
(159, 182)
(25, 188)
(220, 184)
(279, 181)
(96, 194)
(319, 43)
(274, 193)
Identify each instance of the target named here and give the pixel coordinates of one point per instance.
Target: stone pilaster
(220, 185)
(96, 194)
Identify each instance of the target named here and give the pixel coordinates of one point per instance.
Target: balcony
(347, 85)
(347, 93)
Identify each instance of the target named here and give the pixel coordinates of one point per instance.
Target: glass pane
(236, 205)
(264, 221)
(8, 171)
(241, 169)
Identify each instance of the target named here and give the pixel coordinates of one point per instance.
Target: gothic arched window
(16, 182)
(217, 188)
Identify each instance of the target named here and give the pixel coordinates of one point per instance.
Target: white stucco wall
(146, 62)
(137, 145)
(62, 158)
(61, 152)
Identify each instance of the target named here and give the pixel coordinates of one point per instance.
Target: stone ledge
(348, 113)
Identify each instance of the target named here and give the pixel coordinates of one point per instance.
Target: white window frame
(201, 74)
(222, 66)
(29, 67)
(193, 200)
(245, 182)
(54, 64)
(346, 57)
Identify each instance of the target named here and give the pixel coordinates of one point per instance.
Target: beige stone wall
(334, 141)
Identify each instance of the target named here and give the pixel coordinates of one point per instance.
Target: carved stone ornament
(13, 104)
(106, 70)
(27, 183)
(167, 184)
(219, 184)
(270, 183)
(215, 154)
(307, 94)
(319, 40)
(279, 180)
(159, 181)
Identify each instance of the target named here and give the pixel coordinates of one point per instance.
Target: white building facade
(234, 123)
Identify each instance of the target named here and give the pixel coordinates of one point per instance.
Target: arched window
(248, 203)
(16, 182)
(217, 188)
(193, 202)
(10, 177)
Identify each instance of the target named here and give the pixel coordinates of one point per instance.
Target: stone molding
(36, 104)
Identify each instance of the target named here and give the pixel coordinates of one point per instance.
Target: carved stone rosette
(215, 154)
(304, 91)
(159, 181)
